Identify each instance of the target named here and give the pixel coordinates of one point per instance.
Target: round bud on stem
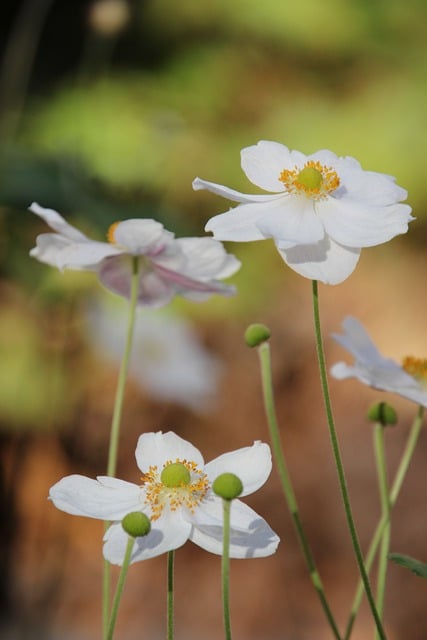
(382, 413)
(227, 486)
(136, 524)
(256, 334)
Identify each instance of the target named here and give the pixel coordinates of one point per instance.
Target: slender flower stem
(115, 421)
(394, 493)
(119, 588)
(170, 600)
(268, 395)
(121, 382)
(339, 464)
(385, 512)
(225, 567)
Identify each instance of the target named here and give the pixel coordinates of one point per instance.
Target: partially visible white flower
(168, 266)
(175, 492)
(167, 359)
(371, 368)
(321, 211)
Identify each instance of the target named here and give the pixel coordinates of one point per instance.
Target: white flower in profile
(168, 266)
(370, 367)
(175, 492)
(321, 210)
(168, 360)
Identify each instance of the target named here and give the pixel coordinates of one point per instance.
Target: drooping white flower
(175, 492)
(167, 358)
(322, 209)
(190, 267)
(370, 367)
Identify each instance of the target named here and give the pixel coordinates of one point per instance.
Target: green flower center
(180, 484)
(310, 178)
(175, 474)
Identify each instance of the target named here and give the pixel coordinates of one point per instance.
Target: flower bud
(256, 334)
(383, 413)
(136, 524)
(227, 486)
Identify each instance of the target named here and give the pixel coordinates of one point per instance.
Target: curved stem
(225, 568)
(170, 599)
(279, 458)
(339, 465)
(394, 493)
(385, 512)
(119, 588)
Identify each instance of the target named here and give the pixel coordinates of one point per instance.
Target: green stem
(170, 601)
(116, 418)
(279, 458)
(339, 465)
(121, 382)
(225, 568)
(119, 588)
(394, 493)
(385, 513)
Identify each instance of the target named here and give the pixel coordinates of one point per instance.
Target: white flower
(322, 211)
(191, 267)
(371, 368)
(167, 359)
(175, 493)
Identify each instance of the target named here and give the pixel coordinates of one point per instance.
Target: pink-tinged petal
(292, 220)
(251, 464)
(166, 533)
(250, 535)
(57, 223)
(325, 261)
(355, 224)
(206, 259)
(104, 498)
(230, 194)
(264, 162)
(141, 236)
(241, 223)
(157, 448)
(192, 288)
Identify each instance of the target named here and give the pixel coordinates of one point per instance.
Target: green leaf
(417, 567)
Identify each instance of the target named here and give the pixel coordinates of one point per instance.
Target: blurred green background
(109, 109)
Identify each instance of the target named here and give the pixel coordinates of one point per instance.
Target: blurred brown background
(108, 111)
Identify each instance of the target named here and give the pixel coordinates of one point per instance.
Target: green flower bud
(136, 524)
(227, 486)
(256, 334)
(175, 474)
(383, 413)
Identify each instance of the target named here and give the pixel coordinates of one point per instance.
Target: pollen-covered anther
(111, 232)
(314, 180)
(416, 367)
(179, 484)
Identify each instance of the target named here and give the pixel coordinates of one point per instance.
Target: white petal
(325, 261)
(356, 340)
(142, 236)
(291, 219)
(166, 534)
(105, 498)
(226, 192)
(57, 223)
(49, 247)
(250, 535)
(251, 464)
(85, 255)
(356, 224)
(157, 448)
(264, 162)
(206, 259)
(377, 189)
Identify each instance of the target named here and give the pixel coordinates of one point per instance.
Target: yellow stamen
(314, 180)
(111, 231)
(416, 367)
(158, 495)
